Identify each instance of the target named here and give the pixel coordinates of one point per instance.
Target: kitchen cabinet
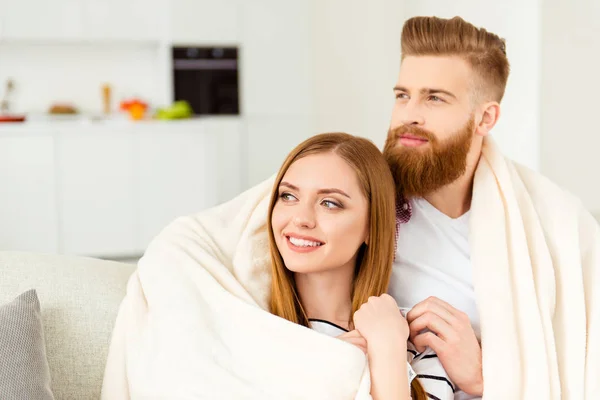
(231, 153)
(28, 206)
(119, 187)
(204, 22)
(177, 175)
(125, 20)
(97, 191)
(108, 189)
(82, 20)
(41, 20)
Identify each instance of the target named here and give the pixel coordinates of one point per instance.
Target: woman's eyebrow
(321, 191)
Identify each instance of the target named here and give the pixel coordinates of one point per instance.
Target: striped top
(426, 365)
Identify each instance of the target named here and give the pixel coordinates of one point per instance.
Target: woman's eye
(330, 204)
(286, 196)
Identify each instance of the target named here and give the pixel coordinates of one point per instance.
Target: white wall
(45, 73)
(276, 75)
(326, 65)
(570, 86)
(518, 21)
(357, 56)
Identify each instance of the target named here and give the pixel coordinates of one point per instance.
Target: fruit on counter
(137, 111)
(135, 107)
(178, 110)
(125, 105)
(61, 108)
(11, 118)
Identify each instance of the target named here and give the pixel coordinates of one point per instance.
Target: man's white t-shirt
(433, 259)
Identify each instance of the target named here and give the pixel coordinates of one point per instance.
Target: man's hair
(483, 50)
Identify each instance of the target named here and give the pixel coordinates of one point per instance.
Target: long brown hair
(484, 51)
(374, 261)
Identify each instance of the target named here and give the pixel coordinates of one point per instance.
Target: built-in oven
(207, 78)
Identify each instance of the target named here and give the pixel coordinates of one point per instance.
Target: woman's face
(321, 217)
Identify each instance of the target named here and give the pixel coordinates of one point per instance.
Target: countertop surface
(50, 123)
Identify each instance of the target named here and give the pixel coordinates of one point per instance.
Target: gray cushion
(24, 370)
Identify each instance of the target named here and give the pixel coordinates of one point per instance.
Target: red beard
(417, 171)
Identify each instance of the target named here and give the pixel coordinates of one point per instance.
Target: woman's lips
(301, 249)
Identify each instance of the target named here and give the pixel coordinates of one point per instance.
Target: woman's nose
(305, 219)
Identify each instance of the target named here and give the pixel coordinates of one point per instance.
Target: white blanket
(536, 263)
(193, 325)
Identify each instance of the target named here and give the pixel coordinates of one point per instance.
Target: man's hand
(355, 338)
(452, 337)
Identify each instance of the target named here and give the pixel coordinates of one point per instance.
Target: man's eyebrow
(434, 91)
(426, 91)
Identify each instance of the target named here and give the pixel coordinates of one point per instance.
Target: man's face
(432, 125)
(433, 93)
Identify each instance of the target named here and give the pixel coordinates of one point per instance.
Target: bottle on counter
(106, 98)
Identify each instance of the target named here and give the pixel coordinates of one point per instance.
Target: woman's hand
(354, 337)
(386, 331)
(380, 322)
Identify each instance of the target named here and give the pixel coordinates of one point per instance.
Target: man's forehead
(434, 72)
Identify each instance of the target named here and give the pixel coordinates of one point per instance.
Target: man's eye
(436, 99)
(401, 96)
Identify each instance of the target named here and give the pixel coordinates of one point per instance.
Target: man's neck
(454, 199)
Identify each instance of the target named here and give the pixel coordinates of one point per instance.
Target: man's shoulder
(553, 203)
(538, 184)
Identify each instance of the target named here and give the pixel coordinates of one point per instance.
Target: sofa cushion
(24, 370)
(80, 299)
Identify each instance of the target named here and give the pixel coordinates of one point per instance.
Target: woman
(332, 228)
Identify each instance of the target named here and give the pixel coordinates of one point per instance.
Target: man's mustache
(415, 131)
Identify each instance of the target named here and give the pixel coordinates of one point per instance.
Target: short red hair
(484, 51)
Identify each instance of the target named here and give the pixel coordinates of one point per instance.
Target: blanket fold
(536, 276)
(194, 324)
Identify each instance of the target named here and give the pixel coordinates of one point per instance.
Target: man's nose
(411, 114)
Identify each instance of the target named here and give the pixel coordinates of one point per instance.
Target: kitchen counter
(106, 188)
(48, 124)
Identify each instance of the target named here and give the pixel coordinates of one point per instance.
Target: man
(451, 82)
(452, 79)
(488, 252)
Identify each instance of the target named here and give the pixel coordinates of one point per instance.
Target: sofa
(79, 299)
